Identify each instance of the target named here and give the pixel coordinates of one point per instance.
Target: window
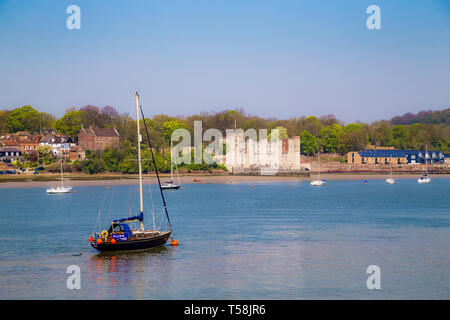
(363, 160)
(413, 156)
(385, 160)
(376, 160)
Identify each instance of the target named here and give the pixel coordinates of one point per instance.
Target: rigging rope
(156, 171)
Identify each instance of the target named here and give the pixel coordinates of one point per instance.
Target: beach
(78, 180)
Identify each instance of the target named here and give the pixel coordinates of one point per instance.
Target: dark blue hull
(170, 188)
(138, 244)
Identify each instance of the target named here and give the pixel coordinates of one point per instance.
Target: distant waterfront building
(22, 140)
(57, 143)
(28, 143)
(248, 155)
(96, 139)
(9, 154)
(447, 158)
(395, 157)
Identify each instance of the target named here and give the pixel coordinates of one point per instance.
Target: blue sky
(275, 58)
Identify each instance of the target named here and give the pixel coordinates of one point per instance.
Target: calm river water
(273, 241)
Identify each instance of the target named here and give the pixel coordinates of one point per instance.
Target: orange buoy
(137, 189)
(107, 187)
(182, 188)
(251, 187)
(113, 241)
(174, 242)
(99, 241)
(91, 239)
(73, 191)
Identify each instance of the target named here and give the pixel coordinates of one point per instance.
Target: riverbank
(77, 180)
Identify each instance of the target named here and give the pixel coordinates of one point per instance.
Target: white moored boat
(390, 180)
(425, 178)
(60, 189)
(169, 185)
(318, 182)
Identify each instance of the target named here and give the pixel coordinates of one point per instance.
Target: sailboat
(318, 182)
(424, 178)
(169, 185)
(390, 180)
(60, 189)
(119, 235)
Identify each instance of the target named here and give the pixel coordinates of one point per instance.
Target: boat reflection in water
(109, 272)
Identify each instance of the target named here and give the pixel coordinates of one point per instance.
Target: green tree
(24, 119)
(111, 159)
(399, 135)
(329, 138)
(92, 166)
(169, 127)
(45, 154)
(381, 134)
(308, 143)
(3, 124)
(69, 124)
(353, 138)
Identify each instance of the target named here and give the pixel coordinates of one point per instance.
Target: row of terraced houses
(14, 146)
(394, 156)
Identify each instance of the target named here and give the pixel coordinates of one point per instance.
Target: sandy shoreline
(103, 180)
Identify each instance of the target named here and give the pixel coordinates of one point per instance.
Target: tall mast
(390, 162)
(171, 165)
(318, 165)
(139, 159)
(62, 176)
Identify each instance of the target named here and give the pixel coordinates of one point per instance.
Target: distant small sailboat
(318, 182)
(424, 178)
(169, 185)
(60, 189)
(119, 236)
(390, 180)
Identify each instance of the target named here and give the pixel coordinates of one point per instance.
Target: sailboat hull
(58, 190)
(172, 187)
(138, 244)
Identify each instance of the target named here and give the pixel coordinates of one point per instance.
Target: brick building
(28, 143)
(96, 139)
(395, 157)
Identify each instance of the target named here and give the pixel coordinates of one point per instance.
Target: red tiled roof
(101, 132)
(9, 143)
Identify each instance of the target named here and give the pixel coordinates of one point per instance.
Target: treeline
(426, 117)
(326, 133)
(124, 160)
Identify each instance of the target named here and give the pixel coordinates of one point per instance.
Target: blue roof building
(379, 156)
